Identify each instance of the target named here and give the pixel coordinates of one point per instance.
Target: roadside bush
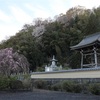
(4, 83)
(95, 88)
(11, 83)
(68, 86)
(48, 87)
(56, 87)
(77, 88)
(85, 88)
(26, 84)
(15, 84)
(40, 84)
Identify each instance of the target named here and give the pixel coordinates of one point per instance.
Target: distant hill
(38, 42)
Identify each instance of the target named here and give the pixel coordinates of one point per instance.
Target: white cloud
(4, 17)
(58, 6)
(7, 30)
(39, 11)
(86, 3)
(20, 15)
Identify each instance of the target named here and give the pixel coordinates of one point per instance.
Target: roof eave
(81, 47)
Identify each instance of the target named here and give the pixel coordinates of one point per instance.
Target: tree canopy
(12, 62)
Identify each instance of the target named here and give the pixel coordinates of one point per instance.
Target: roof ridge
(88, 40)
(97, 33)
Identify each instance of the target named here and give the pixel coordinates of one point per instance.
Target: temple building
(89, 48)
(53, 66)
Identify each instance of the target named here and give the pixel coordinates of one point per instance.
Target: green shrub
(15, 85)
(77, 88)
(48, 87)
(26, 84)
(85, 88)
(40, 84)
(95, 88)
(4, 82)
(67, 86)
(56, 87)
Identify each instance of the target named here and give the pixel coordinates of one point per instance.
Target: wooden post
(81, 58)
(95, 56)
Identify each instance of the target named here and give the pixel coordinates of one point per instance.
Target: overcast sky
(15, 13)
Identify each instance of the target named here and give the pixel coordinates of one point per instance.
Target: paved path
(46, 95)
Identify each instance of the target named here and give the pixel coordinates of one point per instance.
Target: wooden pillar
(81, 58)
(95, 56)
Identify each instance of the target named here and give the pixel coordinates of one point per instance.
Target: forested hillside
(39, 41)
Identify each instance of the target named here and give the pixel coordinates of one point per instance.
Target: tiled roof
(87, 41)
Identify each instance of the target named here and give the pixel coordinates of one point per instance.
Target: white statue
(53, 66)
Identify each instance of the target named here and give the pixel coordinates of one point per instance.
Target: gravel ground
(46, 95)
